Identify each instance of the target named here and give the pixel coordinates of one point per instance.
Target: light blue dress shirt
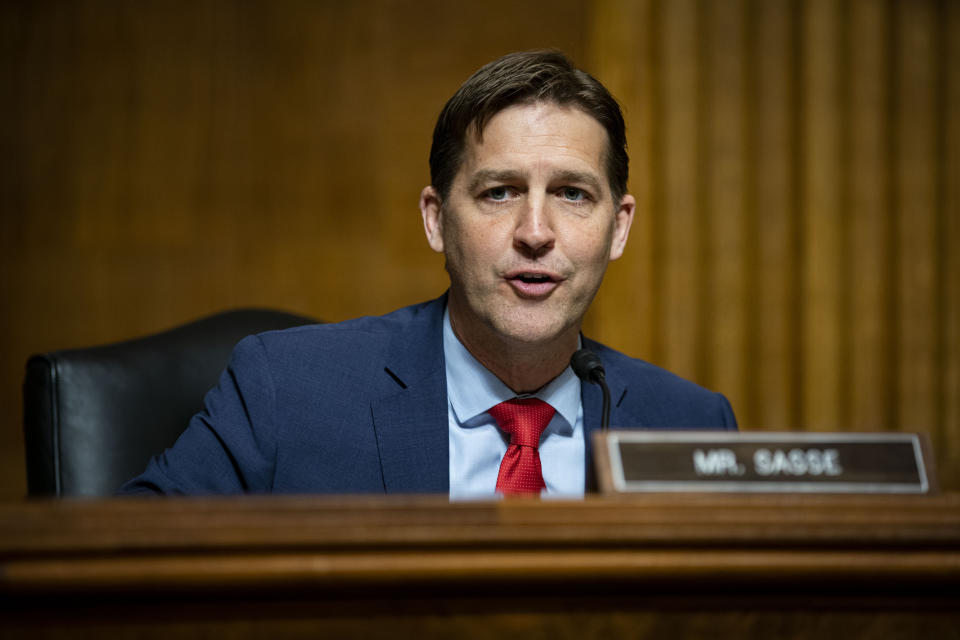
(476, 443)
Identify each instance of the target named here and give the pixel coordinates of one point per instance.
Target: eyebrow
(581, 177)
(485, 176)
(492, 175)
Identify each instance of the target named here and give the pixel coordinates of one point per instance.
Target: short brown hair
(523, 78)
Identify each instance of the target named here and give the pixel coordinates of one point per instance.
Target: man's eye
(498, 193)
(573, 194)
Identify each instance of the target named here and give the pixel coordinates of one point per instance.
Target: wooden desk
(658, 566)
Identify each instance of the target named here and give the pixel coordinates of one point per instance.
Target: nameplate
(756, 462)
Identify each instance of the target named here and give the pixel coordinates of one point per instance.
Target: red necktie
(524, 419)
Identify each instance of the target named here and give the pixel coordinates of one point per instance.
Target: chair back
(93, 417)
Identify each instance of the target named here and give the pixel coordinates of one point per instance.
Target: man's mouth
(532, 284)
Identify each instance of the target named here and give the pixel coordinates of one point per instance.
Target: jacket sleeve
(230, 446)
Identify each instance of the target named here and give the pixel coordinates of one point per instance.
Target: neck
(523, 367)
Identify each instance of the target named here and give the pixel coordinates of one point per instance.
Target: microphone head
(586, 364)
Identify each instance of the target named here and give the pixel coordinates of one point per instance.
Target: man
(471, 394)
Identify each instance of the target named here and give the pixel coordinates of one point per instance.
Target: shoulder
(635, 370)
(352, 349)
(656, 396)
(366, 333)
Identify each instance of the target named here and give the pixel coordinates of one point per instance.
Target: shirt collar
(472, 389)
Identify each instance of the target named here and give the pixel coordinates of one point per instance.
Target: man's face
(528, 227)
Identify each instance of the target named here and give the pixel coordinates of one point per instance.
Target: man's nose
(534, 233)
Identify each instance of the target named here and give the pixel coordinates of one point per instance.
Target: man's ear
(623, 218)
(430, 209)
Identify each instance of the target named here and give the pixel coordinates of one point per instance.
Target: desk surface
(47, 544)
(883, 554)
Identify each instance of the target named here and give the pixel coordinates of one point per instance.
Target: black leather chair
(94, 417)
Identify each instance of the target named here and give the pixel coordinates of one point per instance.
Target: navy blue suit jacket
(361, 407)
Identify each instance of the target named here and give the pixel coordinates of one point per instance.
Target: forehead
(537, 139)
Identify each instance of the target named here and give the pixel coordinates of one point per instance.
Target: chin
(530, 331)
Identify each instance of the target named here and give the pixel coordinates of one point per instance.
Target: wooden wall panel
(678, 188)
(804, 172)
(916, 208)
(866, 200)
(724, 196)
(795, 164)
(773, 314)
(822, 227)
(949, 241)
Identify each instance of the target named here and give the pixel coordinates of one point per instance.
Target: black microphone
(588, 368)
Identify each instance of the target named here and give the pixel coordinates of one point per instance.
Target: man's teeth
(534, 277)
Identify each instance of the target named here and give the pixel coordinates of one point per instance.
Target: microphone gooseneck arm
(588, 368)
(601, 379)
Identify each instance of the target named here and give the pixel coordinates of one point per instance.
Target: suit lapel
(410, 418)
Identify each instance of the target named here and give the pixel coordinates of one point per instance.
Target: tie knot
(524, 419)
